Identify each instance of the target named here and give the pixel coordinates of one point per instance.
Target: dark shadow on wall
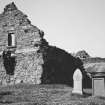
(59, 67)
(87, 81)
(9, 62)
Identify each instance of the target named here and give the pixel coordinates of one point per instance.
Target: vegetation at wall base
(54, 94)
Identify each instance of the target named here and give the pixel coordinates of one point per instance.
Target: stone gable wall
(29, 61)
(25, 33)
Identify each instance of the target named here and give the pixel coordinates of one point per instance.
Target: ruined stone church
(26, 57)
(20, 56)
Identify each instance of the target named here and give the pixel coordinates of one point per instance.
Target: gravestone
(77, 82)
(98, 84)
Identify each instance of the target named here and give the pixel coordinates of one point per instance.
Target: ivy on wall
(9, 62)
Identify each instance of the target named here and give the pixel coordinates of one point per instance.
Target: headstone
(77, 82)
(98, 86)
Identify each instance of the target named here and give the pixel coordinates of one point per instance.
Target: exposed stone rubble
(29, 59)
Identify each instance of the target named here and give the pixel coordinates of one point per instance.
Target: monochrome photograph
(52, 52)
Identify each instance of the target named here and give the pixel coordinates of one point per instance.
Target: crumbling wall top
(10, 7)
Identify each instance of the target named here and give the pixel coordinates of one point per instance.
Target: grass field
(23, 94)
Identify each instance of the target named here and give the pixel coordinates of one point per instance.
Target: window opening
(11, 39)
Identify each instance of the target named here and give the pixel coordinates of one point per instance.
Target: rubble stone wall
(28, 67)
(25, 33)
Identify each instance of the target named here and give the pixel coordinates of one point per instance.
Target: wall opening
(11, 39)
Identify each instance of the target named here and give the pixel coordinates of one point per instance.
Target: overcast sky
(72, 25)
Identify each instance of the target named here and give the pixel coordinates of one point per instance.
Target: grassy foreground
(23, 94)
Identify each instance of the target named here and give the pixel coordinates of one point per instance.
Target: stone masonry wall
(25, 33)
(28, 68)
(28, 38)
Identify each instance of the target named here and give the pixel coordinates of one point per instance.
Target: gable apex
(10, 7)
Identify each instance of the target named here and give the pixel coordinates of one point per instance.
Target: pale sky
(72, 25)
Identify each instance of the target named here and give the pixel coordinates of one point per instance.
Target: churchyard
(50, 94)
(34, 73)
(24, 94)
